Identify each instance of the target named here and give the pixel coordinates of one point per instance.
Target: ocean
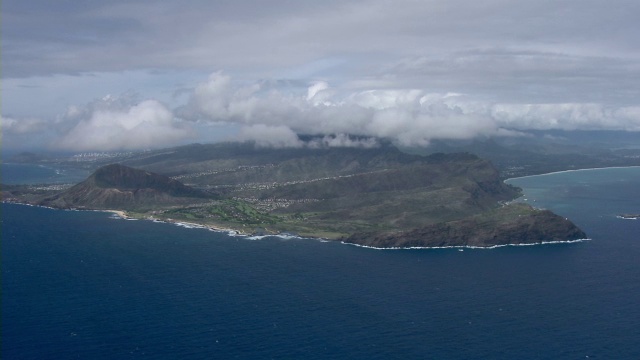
(86, 285)
(13, 173)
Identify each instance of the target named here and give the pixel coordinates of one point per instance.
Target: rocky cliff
(514, 224)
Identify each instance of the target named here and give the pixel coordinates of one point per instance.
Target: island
(379, 197)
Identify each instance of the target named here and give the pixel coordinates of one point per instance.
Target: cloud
(628, 118)
(287, 35)
(318, 93)
(406, 116)
(567, 116)
(270, 136)
(343, 140)
(14, 126)
(23, 132)
(112, 123)
(283, 137)
(366, 64)
(275, 113)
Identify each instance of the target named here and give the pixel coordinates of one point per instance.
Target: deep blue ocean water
(82, 285)
(11, 173)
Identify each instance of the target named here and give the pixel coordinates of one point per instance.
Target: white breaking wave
(465, 246)
(288, 236)
(228, 232)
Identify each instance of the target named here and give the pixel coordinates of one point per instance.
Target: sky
(124, 75)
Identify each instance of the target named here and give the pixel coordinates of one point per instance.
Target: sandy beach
(120, 213)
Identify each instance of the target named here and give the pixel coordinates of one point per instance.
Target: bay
(12, 173)
(86, 285)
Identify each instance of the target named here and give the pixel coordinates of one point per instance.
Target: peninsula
(378, 197)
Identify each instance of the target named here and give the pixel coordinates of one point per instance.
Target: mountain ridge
(120, 186)
(332, 193)
(529, 226)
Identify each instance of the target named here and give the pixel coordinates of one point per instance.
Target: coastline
(572, 170)
(257, 236)
(285, 235)
(121, 214)
(462, 247)
(189, 225)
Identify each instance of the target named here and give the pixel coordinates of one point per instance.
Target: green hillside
(334, 193)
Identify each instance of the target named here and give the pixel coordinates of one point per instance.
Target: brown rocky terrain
(514, 224)
(377, 197)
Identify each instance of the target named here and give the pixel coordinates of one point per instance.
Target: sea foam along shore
(118, 213)
(229, 232)
(189, 225)
(467, 246)
(287, 236)
(123, 215)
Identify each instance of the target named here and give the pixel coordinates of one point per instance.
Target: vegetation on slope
(121, 187)
(331, 193)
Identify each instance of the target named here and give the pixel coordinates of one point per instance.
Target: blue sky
(96, 75)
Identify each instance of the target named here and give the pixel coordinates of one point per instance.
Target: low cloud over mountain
(275, 113)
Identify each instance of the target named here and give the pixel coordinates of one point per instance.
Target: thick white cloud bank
(15, 126)
(273, 116)
(567, 116)
(112, 124)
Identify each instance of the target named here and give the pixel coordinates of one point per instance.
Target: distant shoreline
(573, 170)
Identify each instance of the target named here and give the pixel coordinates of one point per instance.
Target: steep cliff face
(514, 224)
(123, 187)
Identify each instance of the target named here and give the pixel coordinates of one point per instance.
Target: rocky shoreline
(542, 226)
